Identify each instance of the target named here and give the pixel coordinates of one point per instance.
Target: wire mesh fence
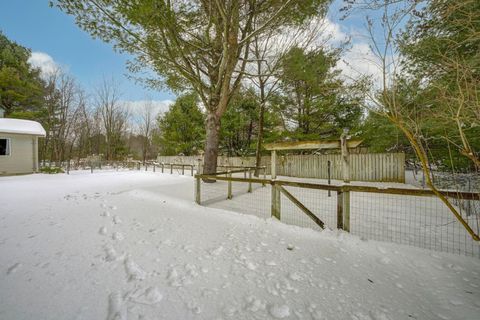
(420, 221)
(256, 203)
(417, 220)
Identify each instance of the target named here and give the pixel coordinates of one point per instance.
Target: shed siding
(21, 156)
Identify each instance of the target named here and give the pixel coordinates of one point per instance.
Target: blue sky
(33, 24)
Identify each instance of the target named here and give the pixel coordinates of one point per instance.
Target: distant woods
(78, 123)
(248, 73)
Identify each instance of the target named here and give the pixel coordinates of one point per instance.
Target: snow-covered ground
(133, 245)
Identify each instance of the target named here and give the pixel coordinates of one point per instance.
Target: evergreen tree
(181, 128)
(316, 101)
(21, 88)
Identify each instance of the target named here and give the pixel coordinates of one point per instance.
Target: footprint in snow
(279, 312)
(111, 254)
(254, 304)
(14, 268)
(116, 220)
(295, 276)
(134, 272)
(116, 307)
(217, 251)
(102, 231)
(118, 236)
(148, 296)
(194, 307)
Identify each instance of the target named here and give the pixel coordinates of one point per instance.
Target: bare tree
(146, 122)
(63, 104)
(112, 114)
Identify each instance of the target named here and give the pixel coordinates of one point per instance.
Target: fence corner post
(275, 207)
(197, 189)
(229, 186)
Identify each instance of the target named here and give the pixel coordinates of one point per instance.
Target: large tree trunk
(211, 144)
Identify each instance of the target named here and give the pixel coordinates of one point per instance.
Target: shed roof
(18, 126)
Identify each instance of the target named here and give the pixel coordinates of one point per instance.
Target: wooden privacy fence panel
(385, 167)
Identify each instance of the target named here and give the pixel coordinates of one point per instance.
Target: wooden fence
(401, 215)
(384, 167)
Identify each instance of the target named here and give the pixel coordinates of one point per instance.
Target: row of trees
(78, 124)
(260, 71)
(223, 49)
(309, 102)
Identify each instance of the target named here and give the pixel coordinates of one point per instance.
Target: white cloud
(332, 32)
(157, 106)
(44, 62)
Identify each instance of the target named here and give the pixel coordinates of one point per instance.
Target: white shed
(19, 146)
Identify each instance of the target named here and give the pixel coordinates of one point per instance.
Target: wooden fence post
(329, 172)
(191, 170)
(163, 166)
(199, 170)
(345, 157)
(68, 167)
(146, 166)
(154, 167)
(273, 169)
(197, 189)
(183, 169)
(346, 211)
(264, 175)
(275, 207)
(229, 186)
(340, 209)
(250, 181)
(171, 168)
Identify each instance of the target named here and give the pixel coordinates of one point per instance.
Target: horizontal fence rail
(413, 217)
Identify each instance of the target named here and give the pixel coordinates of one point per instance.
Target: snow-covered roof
(18, 126)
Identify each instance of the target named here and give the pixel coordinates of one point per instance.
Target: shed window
(4, 147)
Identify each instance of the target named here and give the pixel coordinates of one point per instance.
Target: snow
(18, 126)
(424, 222)
(65, 255)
